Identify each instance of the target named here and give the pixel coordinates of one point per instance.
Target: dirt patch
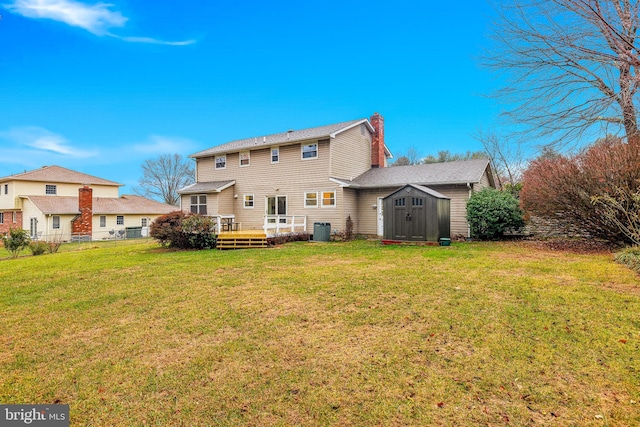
(576, 246)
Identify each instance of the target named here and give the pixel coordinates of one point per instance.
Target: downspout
(470, 193)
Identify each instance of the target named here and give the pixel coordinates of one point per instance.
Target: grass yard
(344, 334)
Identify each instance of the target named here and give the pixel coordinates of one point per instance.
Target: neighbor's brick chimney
(377, 141)
(83, 224)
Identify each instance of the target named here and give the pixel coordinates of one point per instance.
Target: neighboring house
(54, 203)
(291, 180)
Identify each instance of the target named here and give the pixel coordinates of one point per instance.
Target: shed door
(400, 218)
(417, 223)
(409, 220)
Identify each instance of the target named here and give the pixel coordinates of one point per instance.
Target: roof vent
(289, 132)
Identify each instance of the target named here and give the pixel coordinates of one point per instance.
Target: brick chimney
(377, 141)
(82, 225)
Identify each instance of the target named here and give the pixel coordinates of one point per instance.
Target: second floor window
(221, 162)
(310, 151)
(6, 189)
(275, 155)
(199, 204)
(50, 189)
(245, 158)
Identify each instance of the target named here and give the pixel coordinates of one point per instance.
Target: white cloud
(42, 140)
(96, 18)
(157, 144)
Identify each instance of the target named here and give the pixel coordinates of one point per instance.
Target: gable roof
(125, 205)
(206, 187)
(461, 172)
(283, 138)
(57, 174)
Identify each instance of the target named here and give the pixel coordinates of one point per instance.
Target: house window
(6, 189)
(199, 204)
(120, 220)
(310, 151)
(144, 222)
(1, 217)
(311, 199)
(328, 199)
(55, 222)
(221, 162)
(248, 200)
(245, 158)
(103, 221)
(15, 217)
(50, 189)
(275, 155)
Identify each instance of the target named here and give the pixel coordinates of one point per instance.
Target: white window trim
(100, 221)
(309, 158)
(216, 162)
(198, 204)
(271, 155)
(117, 217)
(305, 200)
(54, 187)
(335, 199)
(244, 201)
(248, 153)
(53, 222)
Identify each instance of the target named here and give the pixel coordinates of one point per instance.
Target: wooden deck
(244, 239)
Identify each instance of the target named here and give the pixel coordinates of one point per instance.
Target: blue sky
(100, 87)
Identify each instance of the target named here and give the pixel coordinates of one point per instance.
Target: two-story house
(293, 179)
(57, 203)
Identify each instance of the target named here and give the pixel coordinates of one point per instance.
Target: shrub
(39, 247)
(492, 213)
(629, 257)
(280, 239)
(15, 241)
(184, 231)
(594, 190)
(199, 231)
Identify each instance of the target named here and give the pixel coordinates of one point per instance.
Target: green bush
(38, 248)
(15, 241)
(184, 231)
(629, 257)
(492, 213)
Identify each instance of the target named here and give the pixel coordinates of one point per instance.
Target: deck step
(241, 241)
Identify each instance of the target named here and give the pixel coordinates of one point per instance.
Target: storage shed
(416, 213)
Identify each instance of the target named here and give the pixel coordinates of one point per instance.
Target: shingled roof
(328, 131)
(461, 172)
(125, 205)
(58, 174)
(206, 187)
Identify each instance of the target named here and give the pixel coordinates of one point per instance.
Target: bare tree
(413, 157)
(164, 176)
(507, 159)
(447, 156)
(571, 66)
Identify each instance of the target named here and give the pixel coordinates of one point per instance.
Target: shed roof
(460, 172)
(57, 174)
(125, 205)
(282, 138)
(206, 187)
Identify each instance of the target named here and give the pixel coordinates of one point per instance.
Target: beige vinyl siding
(484, 182)
(350, 153)
(349, 208)
(367, 215)
(291, 177)
(31, 188)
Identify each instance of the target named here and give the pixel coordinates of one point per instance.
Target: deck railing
(277, 224)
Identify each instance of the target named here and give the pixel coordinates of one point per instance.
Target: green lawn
(323, 334)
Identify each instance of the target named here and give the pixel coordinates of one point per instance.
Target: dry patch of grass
(337, 334)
